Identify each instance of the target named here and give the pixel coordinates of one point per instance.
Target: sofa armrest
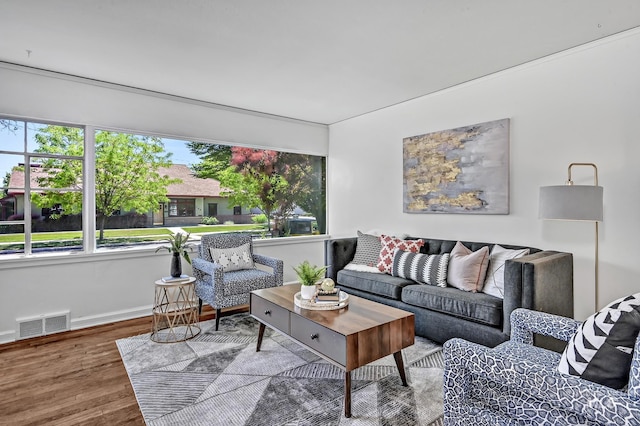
(337, 254)
(541, 281)
(524, 323)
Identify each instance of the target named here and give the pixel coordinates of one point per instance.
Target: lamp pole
(595, 182)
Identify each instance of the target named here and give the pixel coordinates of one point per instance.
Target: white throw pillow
(233, 259)
(494, 283)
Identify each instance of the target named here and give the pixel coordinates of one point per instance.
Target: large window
(140, 188)
(41, 166)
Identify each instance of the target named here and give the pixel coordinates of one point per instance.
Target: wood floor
(72, 378)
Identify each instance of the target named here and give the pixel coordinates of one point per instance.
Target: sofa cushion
(381, 284)
(601, 349)
(478, 307)
(389, 245)
(468, 269)
(428, 269)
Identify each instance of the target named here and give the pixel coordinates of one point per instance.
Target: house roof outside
(191, 185)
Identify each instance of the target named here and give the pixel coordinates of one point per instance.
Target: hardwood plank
(73, 378)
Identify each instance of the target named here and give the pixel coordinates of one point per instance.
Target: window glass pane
(53, 139)
(132, 184)
(10, 185)
(51, 186)
(201, 188)
(11, 136)
(11, 238)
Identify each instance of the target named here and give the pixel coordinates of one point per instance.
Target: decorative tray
(321, 306)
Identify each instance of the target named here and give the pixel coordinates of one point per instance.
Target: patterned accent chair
(222, 289)
(517, 383)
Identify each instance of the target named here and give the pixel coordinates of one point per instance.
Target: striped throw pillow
(602, 348)
(423, 268)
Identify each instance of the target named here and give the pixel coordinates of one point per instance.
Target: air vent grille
(42, 325)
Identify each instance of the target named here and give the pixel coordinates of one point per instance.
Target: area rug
(218, 378)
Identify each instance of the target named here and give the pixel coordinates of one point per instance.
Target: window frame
(89, 233)
(27, 156)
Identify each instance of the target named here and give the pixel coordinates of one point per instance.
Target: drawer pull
(314, 336)
(267, 312)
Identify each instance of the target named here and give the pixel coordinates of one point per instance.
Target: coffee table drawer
(327, 342)
(270, 313)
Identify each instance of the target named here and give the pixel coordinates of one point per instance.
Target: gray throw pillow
(367, 250)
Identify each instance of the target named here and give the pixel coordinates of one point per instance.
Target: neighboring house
(194, 198)
(188, 202)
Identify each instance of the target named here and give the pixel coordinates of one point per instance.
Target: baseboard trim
(9, 336)
(109, 317)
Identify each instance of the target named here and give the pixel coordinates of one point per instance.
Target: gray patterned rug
(218, 378)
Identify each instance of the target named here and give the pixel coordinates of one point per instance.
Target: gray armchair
(222, 286)
(517, 383)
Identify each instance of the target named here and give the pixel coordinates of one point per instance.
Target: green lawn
(126, 235)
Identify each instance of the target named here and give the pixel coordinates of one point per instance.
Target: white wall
(106, 287)
(578, 106)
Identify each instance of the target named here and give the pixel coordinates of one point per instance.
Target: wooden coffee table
(349, 338)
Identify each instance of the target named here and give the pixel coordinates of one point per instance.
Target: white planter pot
(307, 291)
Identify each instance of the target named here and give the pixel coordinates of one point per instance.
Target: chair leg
(217, 318)
(199, 306)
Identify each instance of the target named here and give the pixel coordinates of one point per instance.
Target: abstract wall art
(463, 170)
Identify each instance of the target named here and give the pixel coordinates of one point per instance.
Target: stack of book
(328, 296)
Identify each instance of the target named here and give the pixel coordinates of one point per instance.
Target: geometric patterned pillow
(494, 283)
(602, 348)
(423, 268)
(367, 250)
(233, 259)
(389, 245)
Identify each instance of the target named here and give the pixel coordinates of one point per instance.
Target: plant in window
(179, 245)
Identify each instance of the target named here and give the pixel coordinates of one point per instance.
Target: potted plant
(179, 245)
(309, 275)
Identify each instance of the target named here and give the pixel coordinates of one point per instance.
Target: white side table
(175, 311)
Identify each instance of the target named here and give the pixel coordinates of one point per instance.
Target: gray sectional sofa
(542, 280)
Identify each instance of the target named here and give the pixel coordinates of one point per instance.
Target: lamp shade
(571, 202)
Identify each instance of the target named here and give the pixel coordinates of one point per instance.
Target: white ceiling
(318, 60)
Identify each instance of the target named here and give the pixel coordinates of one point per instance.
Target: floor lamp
(575, 202)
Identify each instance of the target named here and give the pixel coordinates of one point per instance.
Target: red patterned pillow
(389, 244)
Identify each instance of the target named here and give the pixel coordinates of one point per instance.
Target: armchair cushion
(233, 259)
(601, 349)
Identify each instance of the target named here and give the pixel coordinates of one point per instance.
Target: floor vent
(42, 325)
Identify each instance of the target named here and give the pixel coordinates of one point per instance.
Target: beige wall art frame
(463, 170)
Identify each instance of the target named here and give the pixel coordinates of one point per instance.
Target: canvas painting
(463, 170)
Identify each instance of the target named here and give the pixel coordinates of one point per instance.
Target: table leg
(260, 336)
(400, 364)
(347, 394)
